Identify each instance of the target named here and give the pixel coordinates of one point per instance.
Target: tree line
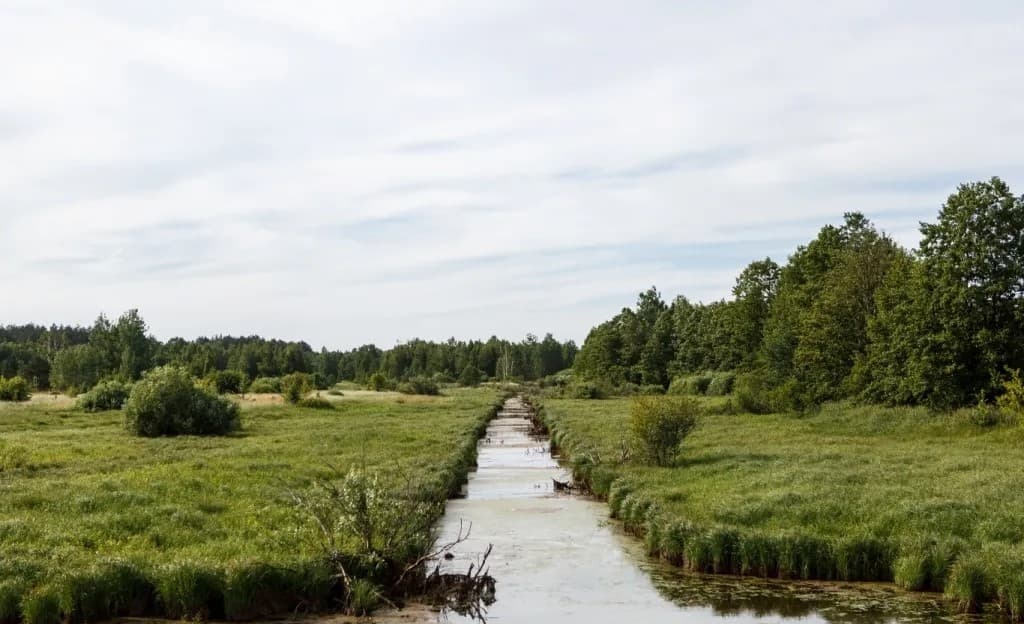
(75, 359)
(852, 314)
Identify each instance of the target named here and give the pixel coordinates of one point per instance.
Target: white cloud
(349, 172)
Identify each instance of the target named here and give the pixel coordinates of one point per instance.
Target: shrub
(752, 393)
(585, 390)
(658, 425)
(1012, 400)
(316, 402)
(167, 402)
(295, 386)
(379, 382)
(227, 381)
(470, 376)
(692, 385)
(265, 385)
(106, 395)
(319, 381)
(363, 597)
(14, 389)
(420, 385)
(721, 384)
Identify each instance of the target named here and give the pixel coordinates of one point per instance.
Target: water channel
(557, 557)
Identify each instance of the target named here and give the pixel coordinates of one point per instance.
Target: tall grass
(929, 501)
(100, 524)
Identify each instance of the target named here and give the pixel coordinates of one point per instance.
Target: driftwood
(467, 594)
(562, 486)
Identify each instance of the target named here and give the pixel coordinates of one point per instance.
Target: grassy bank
(98, 523)
(929, 501)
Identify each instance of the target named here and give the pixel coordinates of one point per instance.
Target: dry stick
(462, 536)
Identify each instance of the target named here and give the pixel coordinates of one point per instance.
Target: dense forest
(852, 314)
(75, 359)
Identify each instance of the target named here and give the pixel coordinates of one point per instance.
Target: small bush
(752, 393)
(227, 382)
(265, 385)
(295, 386)
(167, 402)
(379, 382)
(420, 385)
(585, 390)
(658, 425)
(14, 389)
(319, 381)
(1011, 401)
(470, 376)
(363, 597)
(106, 395)
(690, 385)
(316, 402)
(721, 384)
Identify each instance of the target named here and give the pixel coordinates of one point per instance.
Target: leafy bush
(14, 389)
(379, 382)
(420, 385)
(106, 395)
(1012, 399)
(585, 390)
(692, 385)
(316, 402)
(265, 385)
(167, 402)
(226, 381)
(442, 378)
(363, 597)
(319, 381)
(752, 393)
(470, 376)
(295, 386)
(721, 384)
(658, 425)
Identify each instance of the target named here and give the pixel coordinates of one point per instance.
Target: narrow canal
(557, 557)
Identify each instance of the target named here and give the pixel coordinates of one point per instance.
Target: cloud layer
(347, 172)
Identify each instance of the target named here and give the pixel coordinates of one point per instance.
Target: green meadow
(97, 522)
(930, 501)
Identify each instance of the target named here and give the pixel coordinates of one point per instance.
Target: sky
(347, 172)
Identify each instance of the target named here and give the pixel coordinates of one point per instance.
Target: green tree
(134, 346)
(973, 260)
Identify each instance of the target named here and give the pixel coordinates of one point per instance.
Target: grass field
(853, 493)
(202, 521)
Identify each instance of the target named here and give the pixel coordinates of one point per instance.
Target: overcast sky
(347, 172)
